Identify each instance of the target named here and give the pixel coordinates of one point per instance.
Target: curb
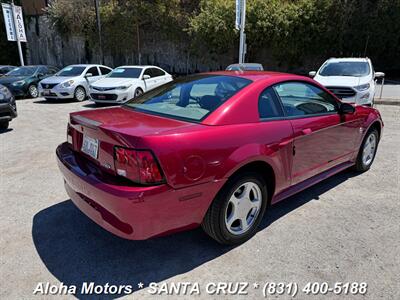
(387, 101)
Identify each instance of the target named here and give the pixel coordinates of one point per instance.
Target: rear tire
(367, 152)
(236, 212)
(4, 125)
(79, 94)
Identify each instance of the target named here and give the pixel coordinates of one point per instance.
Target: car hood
(11, 79)
(114, 82)
(341, 80)
(57, 79)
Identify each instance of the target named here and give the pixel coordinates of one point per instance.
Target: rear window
(192, 98)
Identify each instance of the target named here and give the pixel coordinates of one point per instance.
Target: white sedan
(127, 82)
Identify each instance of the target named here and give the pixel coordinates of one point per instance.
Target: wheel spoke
(243, 207)
(243, 223)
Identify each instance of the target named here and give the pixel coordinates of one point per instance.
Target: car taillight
(137, 165)
(69, 134)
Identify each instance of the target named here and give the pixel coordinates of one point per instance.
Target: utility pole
(96, 3)
(242, 45)
(21, 56)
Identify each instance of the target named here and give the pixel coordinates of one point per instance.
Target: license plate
(46, 92)
(101, 97)
(90, 146)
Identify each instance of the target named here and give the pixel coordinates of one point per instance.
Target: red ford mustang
(213, 150)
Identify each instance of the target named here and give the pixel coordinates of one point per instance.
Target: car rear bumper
(133, 212)
(7, 111)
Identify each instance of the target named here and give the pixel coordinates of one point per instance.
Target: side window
(104, 71)
(268, 105)
(301, 99)
(94, 71)
(148, 72)
(157, 72)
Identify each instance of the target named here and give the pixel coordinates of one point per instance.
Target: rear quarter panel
(212, 153)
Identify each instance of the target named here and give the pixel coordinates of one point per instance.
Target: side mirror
(312, 74)
(40, 75)
(146, 77)
(379, 74)
(346, 108)
(88, 75)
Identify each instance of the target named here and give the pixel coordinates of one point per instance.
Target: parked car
(23, 81)
(212, 150)
(72, 82)
(245, 67)
(351, 79)
(5, 69)
(8, 108)
(127, 82)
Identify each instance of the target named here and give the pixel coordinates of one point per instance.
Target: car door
(323, 138)
(95, 74)
(277, 135)
(149, 83)
(162, 77)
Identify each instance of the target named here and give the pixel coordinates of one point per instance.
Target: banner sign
(238, 14)
(9, 22)
(19, 23)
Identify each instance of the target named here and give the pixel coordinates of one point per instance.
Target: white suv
(351, 79)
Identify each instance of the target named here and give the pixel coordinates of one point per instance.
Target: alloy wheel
(138, 92)
(33, 91)
(369, 149)
(243, 208)
(80, 94)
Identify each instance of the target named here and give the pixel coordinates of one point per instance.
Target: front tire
(235, 214)
(367, 152)
(4, 125)
(80, 94)
(138, 92)
(33, 91)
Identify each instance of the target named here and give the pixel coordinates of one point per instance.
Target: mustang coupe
(214, 149)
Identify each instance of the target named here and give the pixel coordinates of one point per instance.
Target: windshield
(71, 71)
(356, 69)
(22, 71)
(191, 98)
(125, 73)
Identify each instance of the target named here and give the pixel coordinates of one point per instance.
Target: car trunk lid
(115, 127)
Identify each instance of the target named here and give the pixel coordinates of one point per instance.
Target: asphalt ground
(345, 229)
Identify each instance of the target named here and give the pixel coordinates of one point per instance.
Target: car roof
(139, 66)
(84, 65)
(252, 75)
(246, 64)
(349, 59)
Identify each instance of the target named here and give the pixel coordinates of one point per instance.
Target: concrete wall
(46, 46)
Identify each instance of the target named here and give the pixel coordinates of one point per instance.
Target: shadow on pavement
(54, 101)
(98, 105)
(74, 249)
(5, 130)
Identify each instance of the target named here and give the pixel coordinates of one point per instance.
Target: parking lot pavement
(389, 94)
(345, 229)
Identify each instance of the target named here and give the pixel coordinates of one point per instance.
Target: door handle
(306, 131)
